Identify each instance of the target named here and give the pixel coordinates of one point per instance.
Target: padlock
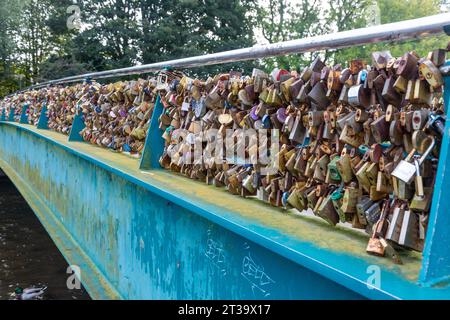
(321, 168)
(317, 65)
(355, 139)
(402, 190)
(395, 225)
(294, 89)
(356, 66)
(375, 247)
(343, 166)
(343, 97)
(383, 183)
(407, 66)
(422, 93)
(333, 171)
(295, 201)
(437, 56)
(389, 93)
(372, 173)
(410, 88)
(401, 85)
(318, 96)
(405, 170)
(310, 167)
(302, 96)
(362, 206)
(285, 88)
(380, 59)
(409, 234)
(337, 197)
(431, 74)
(327, 212)
(311, 199)
(333, 82)
(358, 96)
(350, 199)
(380, 129)
(306, 74)
(422, 203)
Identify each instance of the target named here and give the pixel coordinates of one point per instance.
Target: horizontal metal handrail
(403, 30)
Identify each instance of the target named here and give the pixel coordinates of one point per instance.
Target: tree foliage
(37, 45)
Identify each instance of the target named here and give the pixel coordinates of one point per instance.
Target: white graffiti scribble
(255, 275)
(216, 254)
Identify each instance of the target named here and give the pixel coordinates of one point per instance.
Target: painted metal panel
(156, 235)
(154, 144)
(148, 247)
(436, 255)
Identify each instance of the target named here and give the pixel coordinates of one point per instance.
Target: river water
(28, 257)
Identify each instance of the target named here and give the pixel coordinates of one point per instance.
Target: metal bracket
(154, 144)
(77, 126)
(23, 115)
(11, 114)
(43, 119)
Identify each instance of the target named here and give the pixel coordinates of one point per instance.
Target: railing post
(43, 119)
(436, 255)
(77, 126)
(11, 114)
(154, 144)
(23, 115)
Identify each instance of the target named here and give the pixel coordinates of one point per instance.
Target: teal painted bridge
(139, 232)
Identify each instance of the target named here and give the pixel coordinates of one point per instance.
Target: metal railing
(408, 29)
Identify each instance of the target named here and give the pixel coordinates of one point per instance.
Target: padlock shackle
(428, 151)
(417, 165)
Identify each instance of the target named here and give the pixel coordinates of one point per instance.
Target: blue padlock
(126, 148)
(266, 121)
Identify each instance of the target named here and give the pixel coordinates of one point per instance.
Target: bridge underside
(156, 235)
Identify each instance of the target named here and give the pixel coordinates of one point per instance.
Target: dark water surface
(28, 256)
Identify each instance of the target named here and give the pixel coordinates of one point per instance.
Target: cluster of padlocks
(116, 115)
(8, 105)
(60, 105)
(35, 100)
(357, 144)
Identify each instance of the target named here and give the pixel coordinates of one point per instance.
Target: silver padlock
(395, 226)
(409, 234)
(406, 170)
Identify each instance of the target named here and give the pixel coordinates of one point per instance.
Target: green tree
(174, 29)
(57, 67)
(345, 15)
(34, 43)
(393, 11)
(281, 20)
(112, 35)
(9, 22)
